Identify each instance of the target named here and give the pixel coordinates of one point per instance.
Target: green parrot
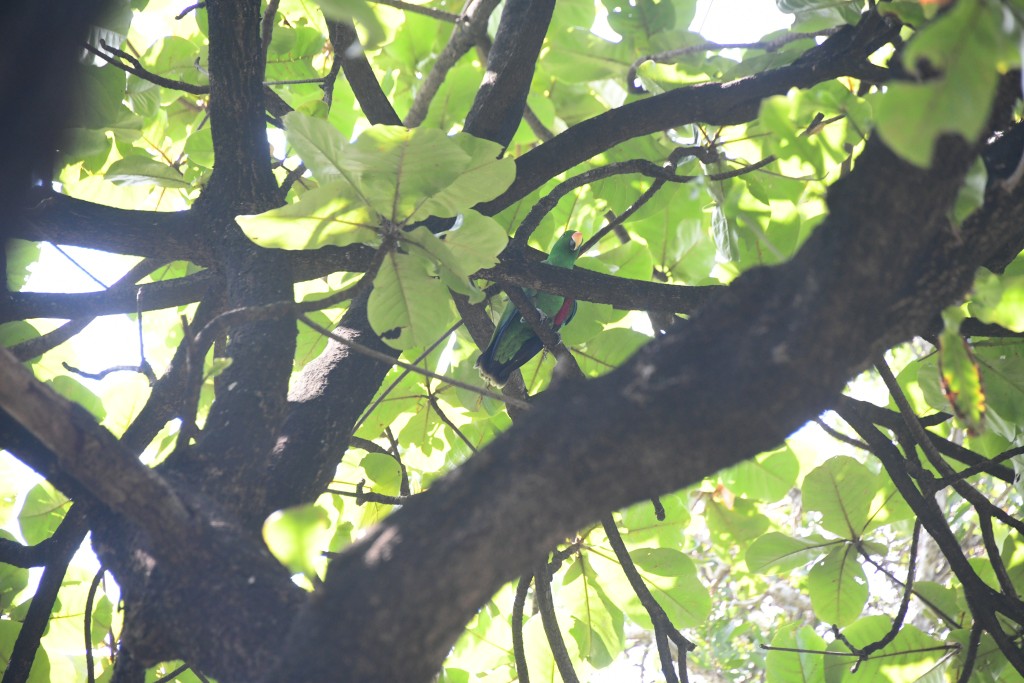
(514, 341)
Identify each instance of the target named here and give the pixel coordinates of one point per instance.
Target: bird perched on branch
(514, 342)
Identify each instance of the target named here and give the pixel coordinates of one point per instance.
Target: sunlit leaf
(838, 587)
(841, 490)
(407, 307)
(297, 536)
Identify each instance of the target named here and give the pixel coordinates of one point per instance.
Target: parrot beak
(577, 240)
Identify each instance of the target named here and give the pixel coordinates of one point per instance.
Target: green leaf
(841, 490)
(320, 217)
(838, 587)
(998, 299)
(960, 376)
(402, 174)
(75, 391)
(297, 535)
(22, 255)
(663, 562)
(768, 477)
(739, 523)
(777, 552)
(964, 45)
(909, 657)
(475, 241)
(805, 666)
(41, 513)
(136, 170)
(384, 471)
(408, 307)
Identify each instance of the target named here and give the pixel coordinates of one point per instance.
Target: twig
(901, 614)
(363, 496)
(403, 486)
(134, 67)
(384, 358)
(951, 621)
(190, 8)
(421, 9)
(548, 202)
(432, 398)
(171, 675)
(147, 371)
(839, 436)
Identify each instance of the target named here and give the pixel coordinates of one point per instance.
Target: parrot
(514, 341)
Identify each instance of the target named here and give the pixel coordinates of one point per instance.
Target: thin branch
(542, 593)
(659, 618)
(518, 647)
(839, 436)
(972, 653)
(90, 667)
(908, 589)
(384, 358)
(968, 492)
(432, 397)
(134, 67)
(547, 203)
(465, 34)
(671, 56)
(363, 496)
(421, 9)
(191, 8)
(68, 538)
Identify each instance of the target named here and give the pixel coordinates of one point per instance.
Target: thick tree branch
(469, 30)
(349, 55)
(872, 274)
(715, 103)
(501, 99)
(91, 455)
(61, 219)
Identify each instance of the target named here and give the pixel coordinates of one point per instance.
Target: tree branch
(715, 103)
(802, 329)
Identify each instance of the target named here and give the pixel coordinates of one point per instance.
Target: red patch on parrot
(563, 312)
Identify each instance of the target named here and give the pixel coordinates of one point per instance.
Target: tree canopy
(779, 440)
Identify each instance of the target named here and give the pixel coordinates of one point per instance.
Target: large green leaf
(838, 587)
(768, 477)
(841, 490)
(781, 553)
(964, 44)
(801, 662)
(408, 307)
(136, 170)
(41, 513)
(404, 174)
(322, 216)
